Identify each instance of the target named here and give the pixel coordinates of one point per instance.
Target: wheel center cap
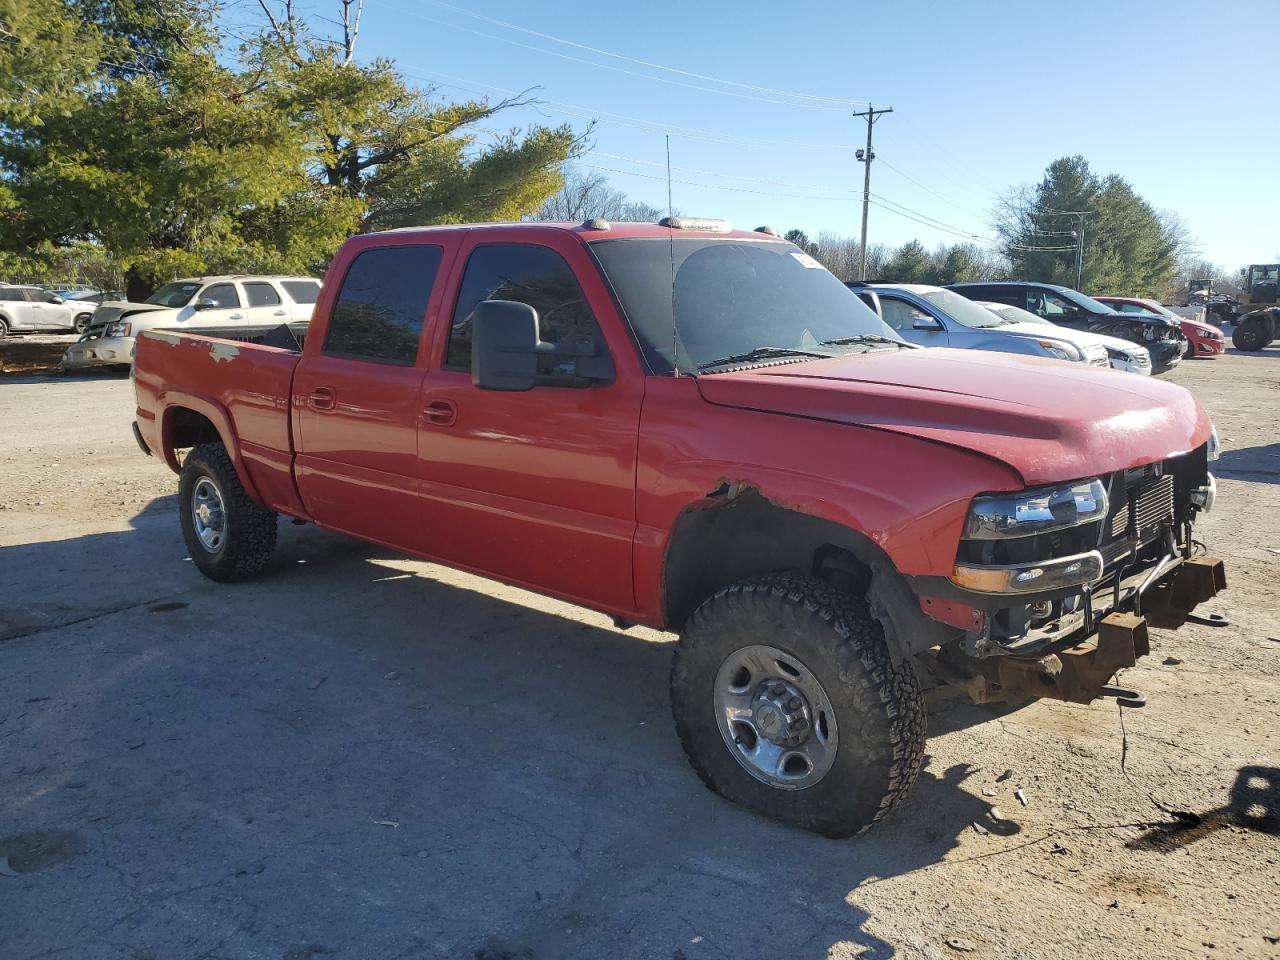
(203, 513)
(781, 713)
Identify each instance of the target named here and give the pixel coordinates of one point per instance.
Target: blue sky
(984, 96)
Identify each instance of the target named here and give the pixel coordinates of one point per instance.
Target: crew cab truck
(704, 431)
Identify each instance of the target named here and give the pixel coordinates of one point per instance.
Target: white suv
(206, 304)
(25, 308)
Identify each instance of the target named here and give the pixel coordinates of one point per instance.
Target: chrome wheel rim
(208, 514)
(775, 717)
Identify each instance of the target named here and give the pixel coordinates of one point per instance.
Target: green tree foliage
(909, 264)
(801, 240)
(1130, 248)
(176, 155)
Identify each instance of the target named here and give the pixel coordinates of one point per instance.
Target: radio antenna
(670, 211)
(671, 252)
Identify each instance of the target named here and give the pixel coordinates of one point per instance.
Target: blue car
(934, 317)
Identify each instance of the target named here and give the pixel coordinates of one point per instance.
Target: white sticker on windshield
(806, 260)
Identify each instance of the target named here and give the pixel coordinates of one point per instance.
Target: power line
(623, 120)
(648, 63)
(605, 66)
(926, 189)
(717, 173)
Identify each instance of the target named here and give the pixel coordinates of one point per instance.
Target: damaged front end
(1062, 582)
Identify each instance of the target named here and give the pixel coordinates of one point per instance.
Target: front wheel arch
(740, 534)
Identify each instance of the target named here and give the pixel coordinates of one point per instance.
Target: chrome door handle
(236, 316)
(443, 413)
(279, 313)
(322, 398)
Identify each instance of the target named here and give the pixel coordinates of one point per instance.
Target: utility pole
(1080, 252)
(866, 157)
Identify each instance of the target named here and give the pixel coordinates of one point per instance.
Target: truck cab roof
(592, 230)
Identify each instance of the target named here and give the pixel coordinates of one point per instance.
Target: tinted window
(222, 294)
(528, 274)
(381, 304)
(261, 294)
(10, 293)
(302, 291)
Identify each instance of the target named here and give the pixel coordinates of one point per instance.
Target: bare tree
(587, 195)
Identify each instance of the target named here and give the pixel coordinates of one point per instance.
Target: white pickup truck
(203, 303)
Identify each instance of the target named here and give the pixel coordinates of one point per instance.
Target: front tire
(82, 322)
(228, 535)
(787, 702)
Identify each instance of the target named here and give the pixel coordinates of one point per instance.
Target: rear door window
(261, 294)
(382, 304)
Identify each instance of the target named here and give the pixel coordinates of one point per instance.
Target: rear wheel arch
(737, 533)
(189, 422)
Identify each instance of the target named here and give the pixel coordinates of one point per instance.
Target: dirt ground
(359, 756)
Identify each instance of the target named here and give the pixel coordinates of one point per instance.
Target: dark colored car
(1161, 336)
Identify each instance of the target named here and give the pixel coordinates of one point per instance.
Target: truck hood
(1050, 421)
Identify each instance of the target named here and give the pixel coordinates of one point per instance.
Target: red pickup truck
(702, 430)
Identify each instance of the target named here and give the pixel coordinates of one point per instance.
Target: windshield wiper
(762, 353)
(860, 338)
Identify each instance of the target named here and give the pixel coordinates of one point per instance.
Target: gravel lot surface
(360, 756)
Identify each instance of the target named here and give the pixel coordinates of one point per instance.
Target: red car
(1203, 339)
(704, 431)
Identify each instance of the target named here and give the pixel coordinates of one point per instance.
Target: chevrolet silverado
(702, 430)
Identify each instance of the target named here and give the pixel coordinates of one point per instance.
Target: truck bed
(185, 380)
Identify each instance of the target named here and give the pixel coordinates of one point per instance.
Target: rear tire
(228, 535)
(787, 654)
(4, 328)
(1248, 336)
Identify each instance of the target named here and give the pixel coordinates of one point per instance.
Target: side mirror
(922, 322)
(56, 299)
(204, 303)
(504, 345)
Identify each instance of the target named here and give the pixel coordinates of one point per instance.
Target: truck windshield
(693, 301)
(174, 294)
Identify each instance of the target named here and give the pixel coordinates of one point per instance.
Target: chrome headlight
(121, 328)
(1004, 515)
(1059, 350)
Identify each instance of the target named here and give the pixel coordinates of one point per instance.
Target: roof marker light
(705, 224)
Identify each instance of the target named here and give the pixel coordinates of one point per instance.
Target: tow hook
(1132, 699)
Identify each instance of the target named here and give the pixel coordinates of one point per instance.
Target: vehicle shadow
(1254, 804)
(361, 756)
(1255, 464)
